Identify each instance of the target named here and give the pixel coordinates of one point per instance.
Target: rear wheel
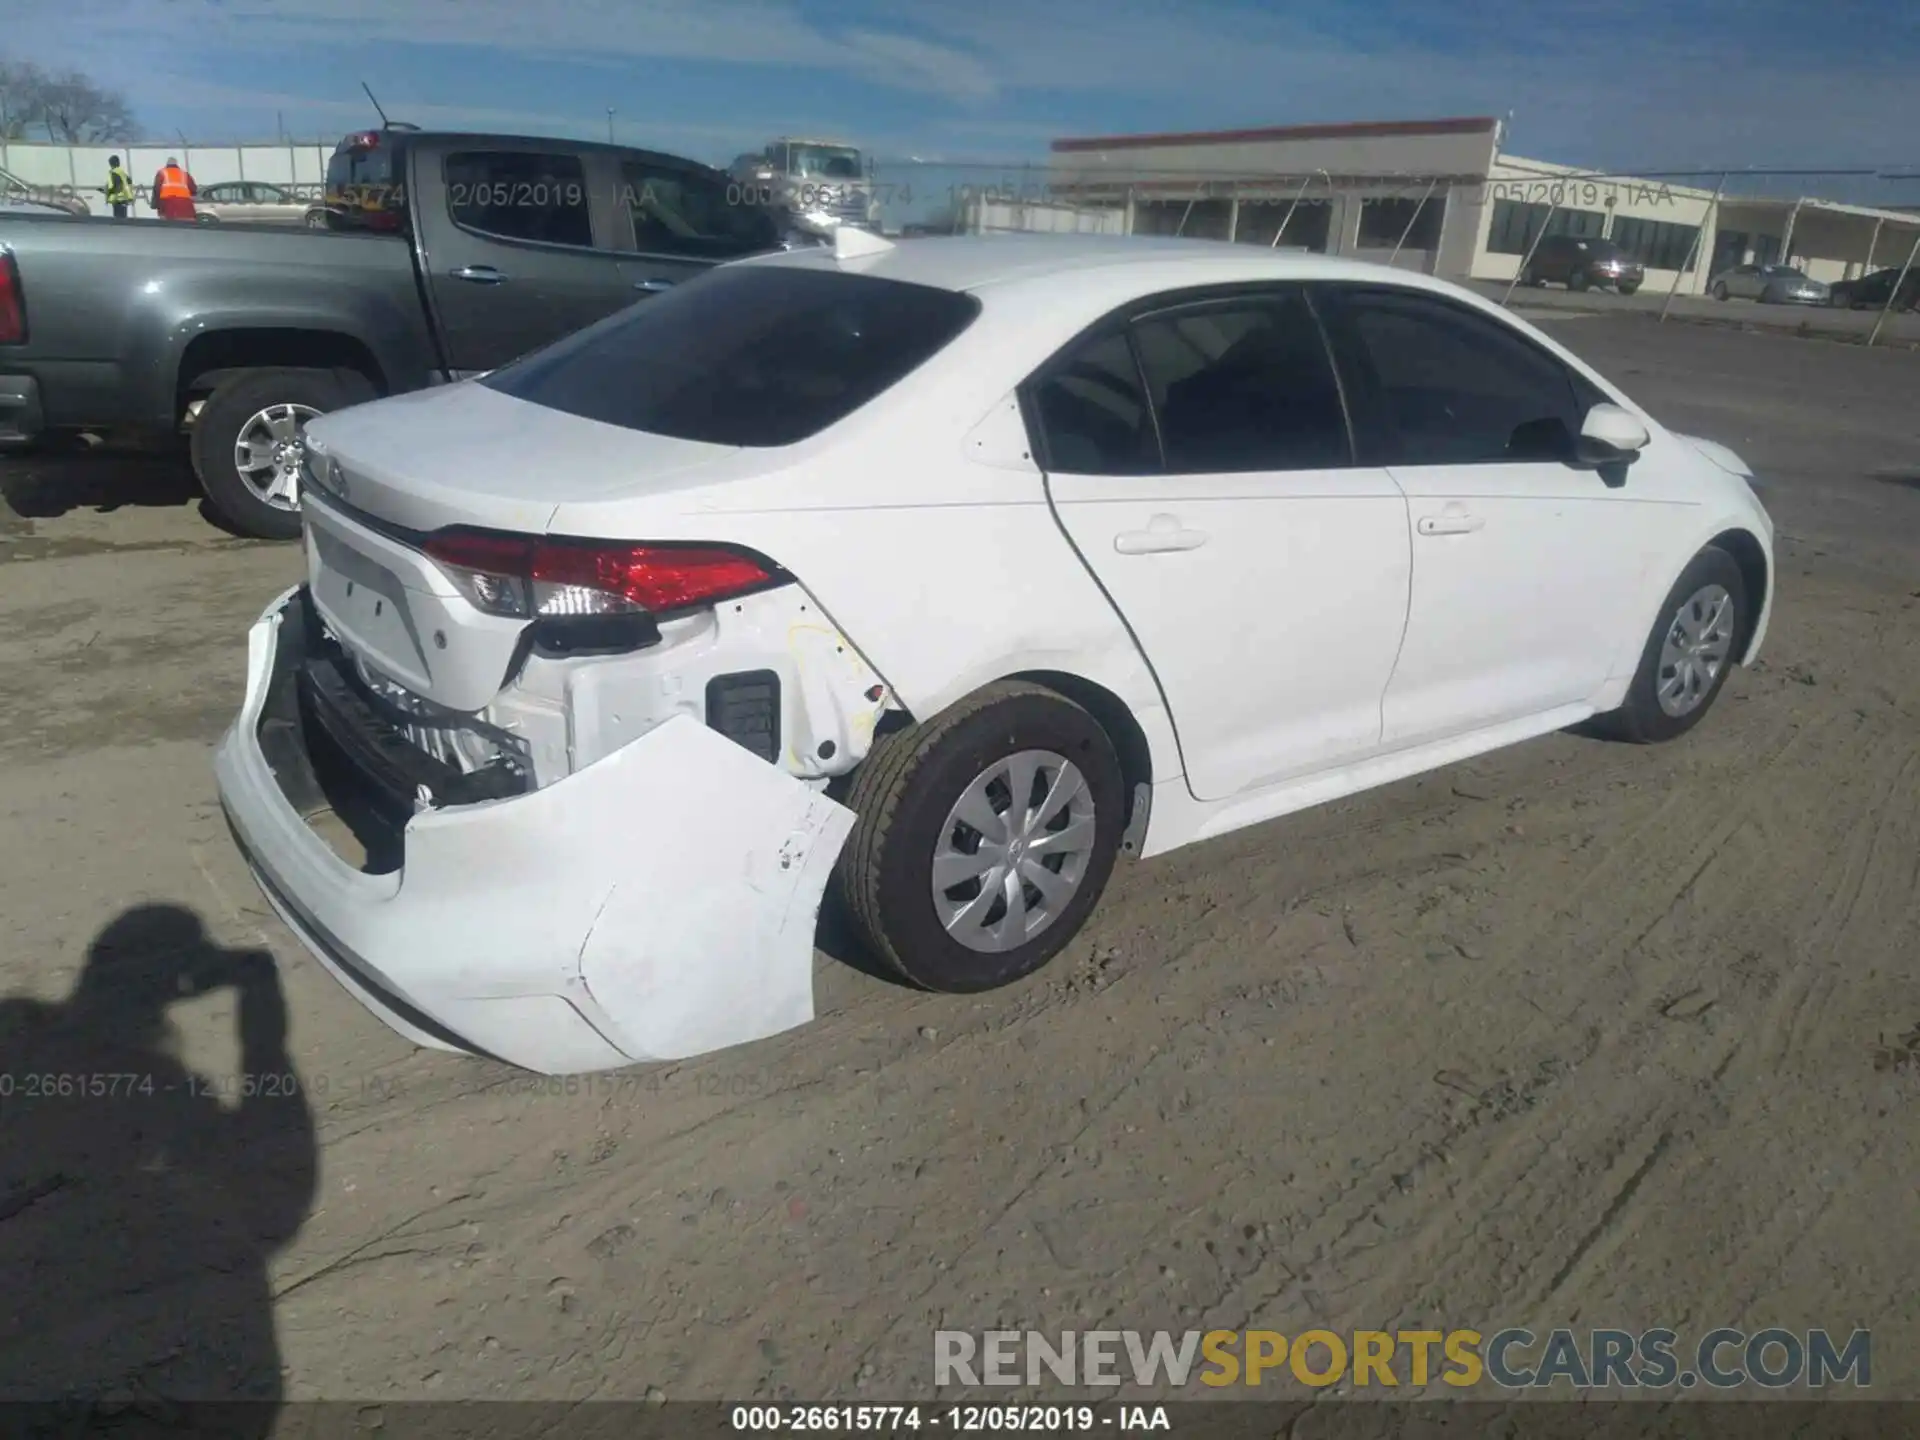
(1629, 287)
(1694, 643)
(1720, 291)
(249, 441)
(1578, 280)
(984, 838)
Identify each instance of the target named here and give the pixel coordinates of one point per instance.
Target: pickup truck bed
(470, 251)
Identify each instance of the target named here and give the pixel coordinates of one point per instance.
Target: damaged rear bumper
(659, 903)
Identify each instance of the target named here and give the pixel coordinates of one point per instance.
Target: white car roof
(975, 262)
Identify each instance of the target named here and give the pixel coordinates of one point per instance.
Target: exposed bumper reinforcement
(655, 905)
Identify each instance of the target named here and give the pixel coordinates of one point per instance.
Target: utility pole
(1696, 247)
(610, 124)
(1899, 285)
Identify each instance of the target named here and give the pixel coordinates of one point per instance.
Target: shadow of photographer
(141, 1202)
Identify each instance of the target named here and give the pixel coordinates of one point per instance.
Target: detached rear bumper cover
(655, 905)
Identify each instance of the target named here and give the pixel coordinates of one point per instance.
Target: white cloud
(748, 32)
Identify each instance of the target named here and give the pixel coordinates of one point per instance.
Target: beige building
(1440, 196)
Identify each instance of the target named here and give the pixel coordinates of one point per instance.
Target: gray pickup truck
(444, 256)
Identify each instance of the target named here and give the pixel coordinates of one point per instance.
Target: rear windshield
(753, 355)
(363, 189)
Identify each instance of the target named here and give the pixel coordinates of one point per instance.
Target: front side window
(1447, 386)
(749, 355)
(693, 214)
(1243, 386)
(520, 195)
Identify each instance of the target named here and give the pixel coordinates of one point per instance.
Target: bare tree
(20, 88)
(69, 108)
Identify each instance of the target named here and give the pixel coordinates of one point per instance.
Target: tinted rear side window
(748, 355)
(520, 195)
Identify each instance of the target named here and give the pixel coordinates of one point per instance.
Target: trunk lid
(463, 454)
(386, 474)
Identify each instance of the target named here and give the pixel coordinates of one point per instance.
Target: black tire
(1578, 280)
(1630, 287)
(232, 405)
(316, 219)
(208, 219)
(1720, 291)
(903, 794)
(1640, 719)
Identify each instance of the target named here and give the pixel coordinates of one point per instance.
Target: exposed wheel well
(210, 358)
(1114, 716)
(1752, 560)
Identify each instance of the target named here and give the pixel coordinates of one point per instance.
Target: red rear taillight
(13, 305)
(522, 576)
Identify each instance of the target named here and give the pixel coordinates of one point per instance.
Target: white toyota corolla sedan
(946, 572)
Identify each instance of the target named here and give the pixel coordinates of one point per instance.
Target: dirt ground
(1577, 1034)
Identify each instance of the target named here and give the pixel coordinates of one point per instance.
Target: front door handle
(653, 287)
(1450, 524)
(1163, 534)
(478, 274)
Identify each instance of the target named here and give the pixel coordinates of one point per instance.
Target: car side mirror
(1609, 436)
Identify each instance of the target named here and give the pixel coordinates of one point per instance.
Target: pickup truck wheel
(984, 838)
(248, 443)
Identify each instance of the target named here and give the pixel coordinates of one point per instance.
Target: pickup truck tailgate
(394, 610)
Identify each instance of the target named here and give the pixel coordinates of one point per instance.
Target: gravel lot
(1577, 1034)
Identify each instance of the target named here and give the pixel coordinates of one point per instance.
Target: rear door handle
(1449, 524)
(478, 274)
(653, 287)
(1163, 534)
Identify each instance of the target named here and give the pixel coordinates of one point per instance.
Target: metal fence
(81, 170)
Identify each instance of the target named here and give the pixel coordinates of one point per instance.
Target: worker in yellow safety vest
(173, 192)
(119, 188)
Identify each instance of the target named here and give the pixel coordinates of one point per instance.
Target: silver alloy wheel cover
(268, 453)
(997, 835)
(1694, 650)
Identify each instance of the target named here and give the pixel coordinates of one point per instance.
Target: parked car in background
(255, 202)
(1769, 284)
(1870, 292)
(1581, 262)
(955, 570)
(445, 255)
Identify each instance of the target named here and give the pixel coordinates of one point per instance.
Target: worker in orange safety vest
(173, 192)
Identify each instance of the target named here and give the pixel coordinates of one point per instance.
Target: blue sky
(1639, 85)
